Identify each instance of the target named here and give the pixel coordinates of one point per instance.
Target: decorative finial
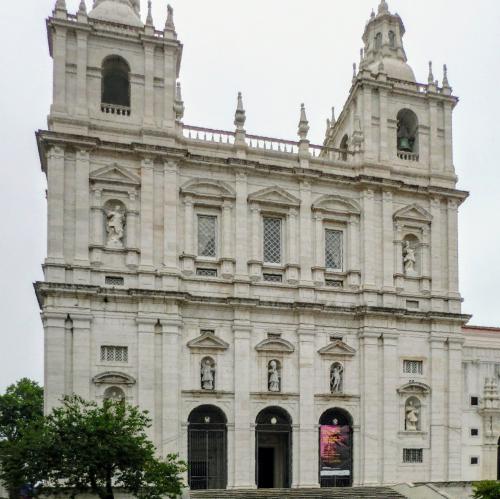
(431, 76)
(149, 19)
(82, 9)
(303, 123)
(60, 5)
(446, 83)
(381, 67)
(372, 15)
(169, 24)
(383, 8)
(354, 70)
(240, 115)
(179, 103)
(334, 120)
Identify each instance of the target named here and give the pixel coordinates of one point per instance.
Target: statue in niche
(412, 414)
(114, 394)
(337, 378)
(207, 375)
(409, 259)
(274, 377)
(115, 227)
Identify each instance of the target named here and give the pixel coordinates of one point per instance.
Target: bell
(404, 144)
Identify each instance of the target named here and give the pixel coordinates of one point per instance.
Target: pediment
(413, 212)
(208, 341)
(414, 388)
(275, 345)
(113, 378)
(274, 196)
(115, 174)
(208, 188)
(337, 205)
(337, 349)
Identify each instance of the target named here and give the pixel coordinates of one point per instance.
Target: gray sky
(279, 53)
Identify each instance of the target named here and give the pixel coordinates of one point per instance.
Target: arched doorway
(273, 449)
(335, 448)
(207, 448)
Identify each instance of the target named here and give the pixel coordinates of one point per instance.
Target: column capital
(147, 163)
(387, 196)
(255, 207)
(83, 154)
(170, 166)
(55, 152)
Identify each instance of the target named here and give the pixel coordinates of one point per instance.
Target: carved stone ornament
(414, 388)
(274, 380)
(337, 378)
(413, 213)
(115, 226)
(208, 189)
(113, 378)
(336, 205)
(208, 341)
(274, 196)
(337, 348)
(115, 174)
(275, 345)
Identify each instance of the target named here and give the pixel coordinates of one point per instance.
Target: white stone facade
(183, 262)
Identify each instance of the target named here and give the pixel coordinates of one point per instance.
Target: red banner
(335, 451)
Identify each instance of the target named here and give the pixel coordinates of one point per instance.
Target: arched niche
(115, 216)
(413, 414)
(344, 147)
(274, 373)
(115, 82)
(114, 394)
(412, 257)
(208, 374)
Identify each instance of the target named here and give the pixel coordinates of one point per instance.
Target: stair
(334, 493)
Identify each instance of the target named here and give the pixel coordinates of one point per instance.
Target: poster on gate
(335, 451)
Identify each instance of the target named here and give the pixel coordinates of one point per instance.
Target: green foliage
(488, 489)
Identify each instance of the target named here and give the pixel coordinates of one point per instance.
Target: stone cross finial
(430, 78)
(169, 23)
(240, 115)
(149, 19)
(303, 123)
(383, 8)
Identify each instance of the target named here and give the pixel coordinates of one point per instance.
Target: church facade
(288, 313)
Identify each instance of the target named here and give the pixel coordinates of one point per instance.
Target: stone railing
(271, 144)
(208, 135)
(408, 156)
(115, 109)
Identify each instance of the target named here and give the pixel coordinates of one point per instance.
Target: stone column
(454, 408)
(256, 261)
(55, 205)
(436, 246)
(131, 231)
(244, 459)
(369, 407)
(146, 367)
(171, 371)
(82, 207)
(189, 227)
(241, 226)
(81, 73)
(306, 249)
(170, 207)
(388, 237)
(438, 461)
(453, 249)
(390, 406)
(55, 369)
(368, 232)
(308, 434)
(82, 356)
(147, 215)
(149, 96)
(59, 68)
(227, 237)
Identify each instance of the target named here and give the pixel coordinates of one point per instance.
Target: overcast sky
(279, 53)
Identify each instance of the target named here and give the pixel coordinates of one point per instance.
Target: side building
(261, 298)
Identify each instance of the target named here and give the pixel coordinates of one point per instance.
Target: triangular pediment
(115, 174)
(274, 196)
(275, 345)
(113, 378)
(336, 205)
(414, 388)
(208, 188)
(337, 349)
(413, 212)
(208, 341)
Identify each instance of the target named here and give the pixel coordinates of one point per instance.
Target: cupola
(117, 11)
(383, 38)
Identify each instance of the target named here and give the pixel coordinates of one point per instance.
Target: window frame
(207, 214)
(335, 228)
(103, 349)
(407, 451)
(408, 360)
(271, 216)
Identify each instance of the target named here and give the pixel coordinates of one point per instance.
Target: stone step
(331, 493)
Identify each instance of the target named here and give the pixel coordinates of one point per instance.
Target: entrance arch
(335, 448)
(273, 449)
(207, 448)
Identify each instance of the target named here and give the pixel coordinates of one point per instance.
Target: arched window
(274, 376)
(378, 41)
(115, 89)
(413, 416)
(392, 39)
(114, 394)
(407, 133)
(207, 374)
(344, 147)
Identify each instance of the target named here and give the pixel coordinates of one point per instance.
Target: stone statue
(114, 395)
(409, 259)
(274, 377)
(115, 225)
(412, 416)
(207, 375)
(336, 378)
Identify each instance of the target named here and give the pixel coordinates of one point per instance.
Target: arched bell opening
(273, 449)
(335, 448)
(407, 132)
(207, 448)
(344, 147)
(115, 86)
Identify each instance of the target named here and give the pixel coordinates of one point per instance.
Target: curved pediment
(413, 213)
(113, 378)
(414, 388)
(274, 196)
(337, 349)
(336, 205)
(275, 345)
(208, 188)
(115, 174)
(208, 341)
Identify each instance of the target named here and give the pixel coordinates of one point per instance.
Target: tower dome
(383, 38)
(117, 11)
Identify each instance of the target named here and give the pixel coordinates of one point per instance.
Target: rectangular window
(474, 460)
(474, 401)
(206, 272)
(273, 277)
(272, 240)
(413, 456)
(114, 281)
(207, 244)
(114, 354)
(334, 249)
(474, 432)
(413, 367)
(331, 283)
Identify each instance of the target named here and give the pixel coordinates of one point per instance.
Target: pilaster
(146, 219)
(227, 230)
(256, 261)
(453, 249)
(436, 246)
(170, 204)
(81, 73)
(131, 224)
(306, 257)
(55, 202)
(97, 227)
(368, 231)
(189, 253)
(387, 237)
(59, 35)
(241, 226)
(149, 68)
(81, 355)
(82, 207)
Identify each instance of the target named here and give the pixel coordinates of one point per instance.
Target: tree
(488, 489)
(21, 419)
(91, 448)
